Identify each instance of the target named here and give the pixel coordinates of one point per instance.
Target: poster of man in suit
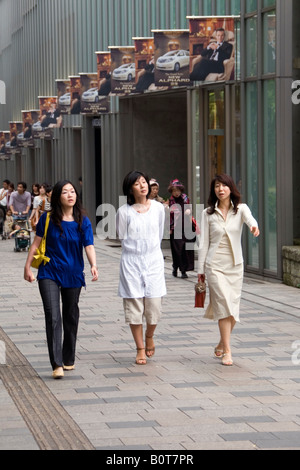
(212, 48)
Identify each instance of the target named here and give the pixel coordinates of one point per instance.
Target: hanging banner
(91, 101)
(49, 118)
(63, 88)
(212, 48)
(75, 94)
(144, 64)
(104, 72)
(15, 128)
(29, 118)
(4, 145)
(172, 58)
(122, 70)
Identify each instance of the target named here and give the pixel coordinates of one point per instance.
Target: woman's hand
(91, 256)
(94, 271)
(255, 231)
(28, 275)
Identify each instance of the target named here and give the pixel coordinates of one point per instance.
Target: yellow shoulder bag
(40, 257)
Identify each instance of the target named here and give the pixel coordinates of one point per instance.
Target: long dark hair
(56, 208)
(234, 196)
(129, 181)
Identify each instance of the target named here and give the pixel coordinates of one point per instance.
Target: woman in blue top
(68, 233)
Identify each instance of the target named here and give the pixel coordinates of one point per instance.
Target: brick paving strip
(51, 426)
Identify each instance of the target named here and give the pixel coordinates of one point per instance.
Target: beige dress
(225, 281)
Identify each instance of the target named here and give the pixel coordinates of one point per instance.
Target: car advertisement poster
(144, 64)
(49, 118)
(172, 58)
(29, 118)
(103, 66)
(63, 88)
(75, 94)
(212, 48)
(4, 145)
(15, 128)
(91, 101)
(122, 70)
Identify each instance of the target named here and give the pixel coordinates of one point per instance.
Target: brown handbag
(200, 291)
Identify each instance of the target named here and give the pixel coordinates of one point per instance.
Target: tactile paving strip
(50, 424)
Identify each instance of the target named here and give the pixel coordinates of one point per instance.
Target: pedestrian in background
(69, 232)
(140, 227)
(180, 221)
(221, 258)
(154, 185)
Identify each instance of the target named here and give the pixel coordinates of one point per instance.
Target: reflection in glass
(251, 46)
(251, 5)
(216, 155)
(216, 125)
(252, 168)
(269, 42)
(270, 177)
(216, 109)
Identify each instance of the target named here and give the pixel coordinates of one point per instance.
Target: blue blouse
(65, 251)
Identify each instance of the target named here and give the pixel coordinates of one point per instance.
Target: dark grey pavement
(182, 400)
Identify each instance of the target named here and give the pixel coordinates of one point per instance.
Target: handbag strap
(46, 225)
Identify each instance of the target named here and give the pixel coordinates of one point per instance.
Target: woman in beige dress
(221, 258)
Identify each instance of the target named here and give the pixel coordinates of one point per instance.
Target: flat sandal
(149, 350)
(142, 361)
(228, 361)
(218, 353)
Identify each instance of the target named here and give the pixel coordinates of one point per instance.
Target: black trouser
(204, 68)
(60, 352)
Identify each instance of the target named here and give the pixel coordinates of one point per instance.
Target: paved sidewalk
(182, 400)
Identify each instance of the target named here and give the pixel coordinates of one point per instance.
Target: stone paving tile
(184, 399)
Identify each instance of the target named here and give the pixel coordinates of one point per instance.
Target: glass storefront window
(235, 7)
(216, 110)
(269, 3)
(220, 5)
(238, 161)
(270, 179)
(251, 46)
(216, 125)
(251, 5)
(207, 7)
(269, 42)
(252, 168)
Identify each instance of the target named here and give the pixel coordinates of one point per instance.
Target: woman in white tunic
(140, 227)
(221, 258)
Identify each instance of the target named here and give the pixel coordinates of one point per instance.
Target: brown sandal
(149, 350)
(142, 361)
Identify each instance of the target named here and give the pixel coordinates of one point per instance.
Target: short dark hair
(235, 194)
(23, 184)
(129, 181)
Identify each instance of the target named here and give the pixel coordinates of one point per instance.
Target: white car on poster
(173, 61)
(65, 100)
(125, 72)
(37, 126)
(90, 95)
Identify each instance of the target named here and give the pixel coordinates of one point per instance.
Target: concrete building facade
(247, 127)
